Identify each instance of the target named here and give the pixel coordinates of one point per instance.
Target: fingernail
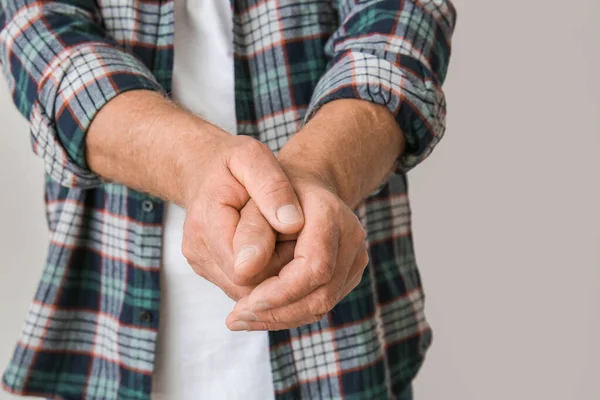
(245, 254)
(289, 214)
(261, 306)
(239, 326)
(247, 316)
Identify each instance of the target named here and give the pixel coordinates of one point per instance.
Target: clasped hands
(271, 232)
(276, 234)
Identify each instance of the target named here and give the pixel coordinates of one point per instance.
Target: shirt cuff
(73, 89)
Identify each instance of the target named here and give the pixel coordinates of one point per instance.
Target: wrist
(351, 145)
(145, 141)
(195, 144)
(305, 158)
(123, 140)
(315, 169)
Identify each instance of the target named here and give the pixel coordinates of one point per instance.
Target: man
(288, 116)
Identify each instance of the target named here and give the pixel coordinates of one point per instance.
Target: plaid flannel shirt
(92, 326)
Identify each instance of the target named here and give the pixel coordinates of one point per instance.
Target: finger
(356, 273)
(283, 255)
(213, 273)
(253, 244)
(219, 229)
(282, 237)
(270, 326)
(204, 265)
(321, 301)
(213, 219)
(257, 169)
(248, 321)
(313, 265)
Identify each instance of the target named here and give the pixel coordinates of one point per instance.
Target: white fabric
(197, 356)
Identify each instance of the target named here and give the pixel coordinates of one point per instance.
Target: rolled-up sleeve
(394, 53)
(62, 68)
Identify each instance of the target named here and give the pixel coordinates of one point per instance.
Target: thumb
(253, 244)
(257, 169)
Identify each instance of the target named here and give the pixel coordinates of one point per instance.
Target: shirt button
(147, 206)
(146, 316)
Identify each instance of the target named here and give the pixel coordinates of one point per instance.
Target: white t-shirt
(197, 357)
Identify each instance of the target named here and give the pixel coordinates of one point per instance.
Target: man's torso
(91, 331)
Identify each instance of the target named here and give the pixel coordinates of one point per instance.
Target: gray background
(506, 209)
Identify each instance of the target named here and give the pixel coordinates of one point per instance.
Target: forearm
(144, 141)
(351, 144)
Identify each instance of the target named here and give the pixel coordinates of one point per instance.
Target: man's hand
(236, 169)
(144, 141)
(329, 259)
(340, 157)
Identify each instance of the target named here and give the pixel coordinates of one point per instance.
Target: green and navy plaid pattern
(91, 329)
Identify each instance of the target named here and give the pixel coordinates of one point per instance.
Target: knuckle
(334, 213)
(227, 193)
(187, 251)
(321, 271)
(271, 316)
(235, 292)
(324, 302)
(193, 224)
(252, 221)
(252, 147)
(242, 141)
(317, 318)
(232, 295)
(333, 223)
(357, 281)
(252, 230)
(268, 326)
(201, 273)
(243, 292)
(275, 188)
(354, 221)
(361, 234)
(288, 296)
(363, 259)
(194, 252)
(242, 280)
